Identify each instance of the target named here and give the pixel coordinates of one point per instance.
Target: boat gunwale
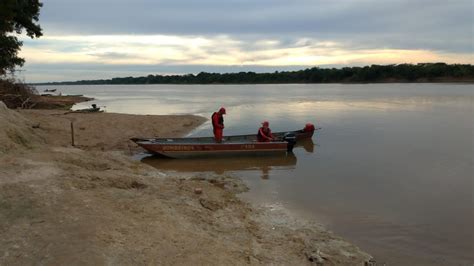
(209, 143)
(227, 139)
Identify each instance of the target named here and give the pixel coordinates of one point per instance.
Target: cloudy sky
(93, 39)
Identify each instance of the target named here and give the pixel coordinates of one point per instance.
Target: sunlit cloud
(219, 50)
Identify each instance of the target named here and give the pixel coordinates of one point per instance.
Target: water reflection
(307, 144)
(222, 165)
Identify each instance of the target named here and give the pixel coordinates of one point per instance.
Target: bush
(17, 94)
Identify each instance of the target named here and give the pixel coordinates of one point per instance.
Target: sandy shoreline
(91, 204)
(108, 131)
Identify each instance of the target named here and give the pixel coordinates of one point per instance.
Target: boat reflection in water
(307, 144)
(223, 165)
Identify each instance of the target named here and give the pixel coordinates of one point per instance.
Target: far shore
(92, 204)
(393, 73)
(388, 81)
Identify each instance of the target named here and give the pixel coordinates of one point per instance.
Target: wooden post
(72, 133)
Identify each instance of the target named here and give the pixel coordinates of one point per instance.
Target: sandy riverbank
(91, 204)
(107, 131)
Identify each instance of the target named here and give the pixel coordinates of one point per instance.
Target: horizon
(237, 72)
(85, 41)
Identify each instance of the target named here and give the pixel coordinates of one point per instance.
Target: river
(391, 170)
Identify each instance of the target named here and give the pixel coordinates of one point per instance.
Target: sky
(101, 39)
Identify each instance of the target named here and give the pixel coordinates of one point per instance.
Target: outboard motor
(291, 139)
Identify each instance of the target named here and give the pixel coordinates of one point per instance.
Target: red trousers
(218, 134)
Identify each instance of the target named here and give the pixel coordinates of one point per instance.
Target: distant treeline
(425, 72)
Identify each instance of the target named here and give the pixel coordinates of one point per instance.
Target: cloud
(161, 54)
(406, 24)
(218, 50)
(238, 35)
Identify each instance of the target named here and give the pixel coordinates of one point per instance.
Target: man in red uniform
(218, 124)
(265, 133)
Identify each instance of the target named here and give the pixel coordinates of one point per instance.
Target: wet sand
(92, 204)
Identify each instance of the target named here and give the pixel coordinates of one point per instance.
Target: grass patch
(19, 138)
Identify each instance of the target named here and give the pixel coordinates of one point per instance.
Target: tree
(16, 16)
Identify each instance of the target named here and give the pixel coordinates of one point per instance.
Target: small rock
(371, 262)
(210, 205)
(138, 185)
(37, 125)
(315, 257)
(198, 190)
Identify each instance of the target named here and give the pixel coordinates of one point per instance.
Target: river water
(391, 170)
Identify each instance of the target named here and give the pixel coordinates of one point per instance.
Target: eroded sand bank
(92, 204)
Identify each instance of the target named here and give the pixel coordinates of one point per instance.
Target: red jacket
(264, 135)
(217, 120)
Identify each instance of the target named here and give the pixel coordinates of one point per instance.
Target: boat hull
(190, 150)
(231, 146)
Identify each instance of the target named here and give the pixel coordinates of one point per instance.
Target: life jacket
(262, 138)
(220, 120)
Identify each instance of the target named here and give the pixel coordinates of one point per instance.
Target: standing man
(218, 124)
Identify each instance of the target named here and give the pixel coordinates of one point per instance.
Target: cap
(222, 110)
